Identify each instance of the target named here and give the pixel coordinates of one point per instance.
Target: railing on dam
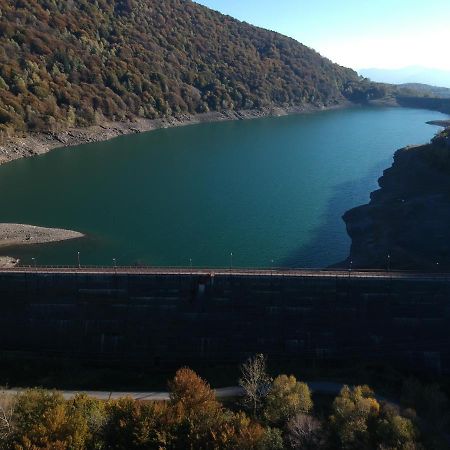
(233, 271)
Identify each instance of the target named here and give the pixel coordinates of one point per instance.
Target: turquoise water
(266, 189)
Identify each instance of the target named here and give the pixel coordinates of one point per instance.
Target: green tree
(394, 431)
(353, 418)
(287, 397)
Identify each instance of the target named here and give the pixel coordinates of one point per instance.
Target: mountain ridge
(79, 63)
(409, 75)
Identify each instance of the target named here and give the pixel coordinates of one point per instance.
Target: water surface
(266, 189)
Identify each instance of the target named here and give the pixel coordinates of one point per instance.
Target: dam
(154, 317)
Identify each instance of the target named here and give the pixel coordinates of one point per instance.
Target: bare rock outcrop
(406, 224)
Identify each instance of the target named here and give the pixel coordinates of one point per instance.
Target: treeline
(273, 414)
(65, 63)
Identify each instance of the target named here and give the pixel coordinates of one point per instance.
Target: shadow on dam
(177, 319)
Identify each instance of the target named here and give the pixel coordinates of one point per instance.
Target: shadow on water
(330, 243)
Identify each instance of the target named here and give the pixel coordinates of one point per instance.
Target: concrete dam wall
(156, 319)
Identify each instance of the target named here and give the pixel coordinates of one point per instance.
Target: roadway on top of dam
(235, 272)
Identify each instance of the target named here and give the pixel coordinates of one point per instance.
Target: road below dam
(154, 317)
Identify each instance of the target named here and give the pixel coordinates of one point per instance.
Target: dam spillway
(156, 317)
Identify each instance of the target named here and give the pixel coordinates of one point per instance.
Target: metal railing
(236, 271)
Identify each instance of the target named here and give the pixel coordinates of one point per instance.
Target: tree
(195, 412)
(42, 420)
(255, 381)
(394, 431)
(134, 425)
(354, 414)
(191, 393)
(287, 397)
(86, 419)
(7, 404)
(304, 432)
(271, 440)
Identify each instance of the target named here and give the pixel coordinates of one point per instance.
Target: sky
(386, 34)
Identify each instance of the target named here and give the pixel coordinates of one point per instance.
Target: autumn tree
(134, 425)
(195, 411)
(43, 420)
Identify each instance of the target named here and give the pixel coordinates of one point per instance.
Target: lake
(271, 189)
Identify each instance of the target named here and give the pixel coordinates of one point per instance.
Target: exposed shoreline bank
(404, 226)
(15, 234)
(40, 143)
(7, 262)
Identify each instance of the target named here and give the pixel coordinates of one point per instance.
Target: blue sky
(357, 34)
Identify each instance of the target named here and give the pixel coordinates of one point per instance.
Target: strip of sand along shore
(14, 234)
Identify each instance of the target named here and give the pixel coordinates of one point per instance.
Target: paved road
(323, 387)
(235, 272)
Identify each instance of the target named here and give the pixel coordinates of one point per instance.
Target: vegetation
(194, 419)
(70, 63)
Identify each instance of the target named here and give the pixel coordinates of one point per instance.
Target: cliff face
(408, 218)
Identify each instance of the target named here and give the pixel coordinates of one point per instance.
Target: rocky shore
(40, 143)
(6, 262)
(440, 123)
(14, 234)
(406, 223)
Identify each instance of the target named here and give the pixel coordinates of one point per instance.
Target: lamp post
(115, 264)
(78, 256)
(271, 267)
(388, 263)
(231, 261)
(34, 262)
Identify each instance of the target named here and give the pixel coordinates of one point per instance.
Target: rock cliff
(406, 224)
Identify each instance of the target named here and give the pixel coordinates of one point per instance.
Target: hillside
(423, 89)
(73, 63)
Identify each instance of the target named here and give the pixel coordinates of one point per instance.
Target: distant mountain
(413, 74)
(65, 63)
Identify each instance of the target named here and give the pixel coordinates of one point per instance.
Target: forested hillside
(72, 62)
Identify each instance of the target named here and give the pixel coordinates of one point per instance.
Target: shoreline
(15, 234)
(7, 262)
(40, 143)
(440, 123)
